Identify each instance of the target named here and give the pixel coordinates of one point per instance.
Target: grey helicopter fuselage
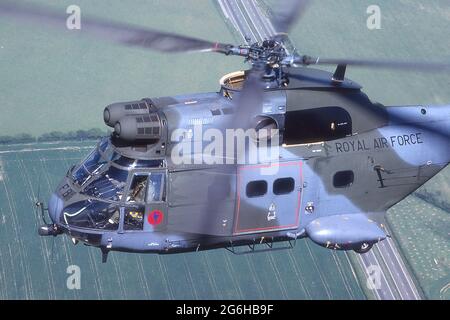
(343, 161)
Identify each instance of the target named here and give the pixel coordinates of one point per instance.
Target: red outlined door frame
(237, 231)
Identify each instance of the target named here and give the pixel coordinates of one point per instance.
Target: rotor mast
(269, 56)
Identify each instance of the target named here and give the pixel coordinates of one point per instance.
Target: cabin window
(256, 189)
(283, 186)
(343, 179)
(316, 125)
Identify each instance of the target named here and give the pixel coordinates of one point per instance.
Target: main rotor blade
(250, 99)
(121, 33)
(287, 13)
(248, 105)
(382, 64)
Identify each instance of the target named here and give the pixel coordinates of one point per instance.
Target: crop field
(422, 230)
(33, 267)
(411, 30)
(60, 80)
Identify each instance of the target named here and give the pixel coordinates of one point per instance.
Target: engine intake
(146, 128)
(116, 111)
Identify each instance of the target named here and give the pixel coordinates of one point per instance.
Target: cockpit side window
(156, 187)
(109, 185)
(138, 187)
(134, 218)
(147, 187)
(103, 145)
(91, 165)
(92, 214)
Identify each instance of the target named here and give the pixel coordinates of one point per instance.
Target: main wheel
(363, 248)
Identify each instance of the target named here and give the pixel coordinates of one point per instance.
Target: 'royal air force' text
(379, 143)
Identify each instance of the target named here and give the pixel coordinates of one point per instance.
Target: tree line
(79, 135)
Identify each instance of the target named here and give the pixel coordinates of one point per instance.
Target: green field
(32, 267)
(422, 230)
(58, 80)
(411, 30)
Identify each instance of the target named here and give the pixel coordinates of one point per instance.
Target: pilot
(138, 191)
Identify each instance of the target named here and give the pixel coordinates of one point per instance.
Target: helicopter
(329, 162)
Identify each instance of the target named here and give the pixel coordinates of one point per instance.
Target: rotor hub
(270, 52)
